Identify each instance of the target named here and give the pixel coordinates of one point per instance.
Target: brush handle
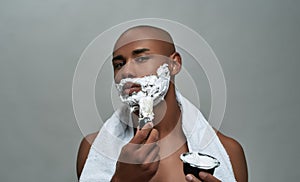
(144, 121)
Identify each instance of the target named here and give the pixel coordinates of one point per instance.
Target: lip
(130, 88)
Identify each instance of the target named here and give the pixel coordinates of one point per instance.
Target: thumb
(191, 178)
(208, 177)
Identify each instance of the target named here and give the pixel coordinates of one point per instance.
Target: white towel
(115, 133)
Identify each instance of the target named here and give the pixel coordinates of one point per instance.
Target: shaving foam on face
(153, 90)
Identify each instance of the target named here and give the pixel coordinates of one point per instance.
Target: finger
(151, 167)
(153, 136)
(145, 150)
(149, 145)
(146, 125)
(153, 155)
(141, 135)
(208, 177)
(191, 178)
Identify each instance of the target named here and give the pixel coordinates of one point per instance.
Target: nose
(128, 70)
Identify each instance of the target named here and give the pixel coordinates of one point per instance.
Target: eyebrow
(139, 51)
(118, 57)
(134, 52)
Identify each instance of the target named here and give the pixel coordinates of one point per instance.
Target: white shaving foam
(153, 91)
(201, 161)
(146, 108)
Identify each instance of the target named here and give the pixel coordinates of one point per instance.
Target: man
(152, 151)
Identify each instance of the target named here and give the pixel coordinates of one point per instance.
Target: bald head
(140, 44)
(145, 32)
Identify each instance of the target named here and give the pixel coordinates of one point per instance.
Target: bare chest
(171, 168)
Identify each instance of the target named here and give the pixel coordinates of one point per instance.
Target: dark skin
(232, 147)
(158, 161)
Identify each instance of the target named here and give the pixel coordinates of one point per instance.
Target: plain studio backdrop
(256, 42)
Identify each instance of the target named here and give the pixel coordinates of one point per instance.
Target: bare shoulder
(83, 151)
(231, 145)
(236, 155)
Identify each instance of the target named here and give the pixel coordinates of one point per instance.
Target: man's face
(138, 59)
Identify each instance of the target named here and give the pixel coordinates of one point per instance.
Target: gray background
(256, 41)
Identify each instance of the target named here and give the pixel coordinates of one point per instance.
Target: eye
(142, 58)
(118, 65)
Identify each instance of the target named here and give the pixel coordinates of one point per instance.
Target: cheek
(140, 70)
(117, 76)
(148, 69)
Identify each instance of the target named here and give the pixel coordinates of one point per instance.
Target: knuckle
(143, 134)
(152, 138)
(155, 134)
(149, 168)
(157, 146)
(145, 166)
(154, 146)
(125, 149)
(140, 137)
(156, 149)
(209, 177)
(155, 131)
(139, 158)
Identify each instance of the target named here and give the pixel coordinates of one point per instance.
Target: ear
(175, 63)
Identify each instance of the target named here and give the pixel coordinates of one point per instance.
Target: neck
(167, 114)
(167, 120)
